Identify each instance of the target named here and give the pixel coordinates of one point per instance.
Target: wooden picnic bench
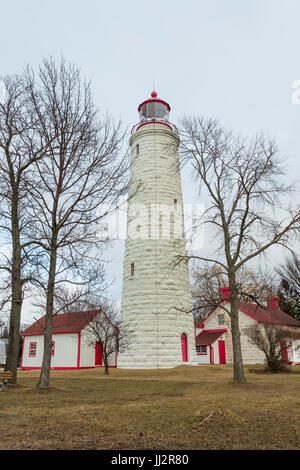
(4, 378)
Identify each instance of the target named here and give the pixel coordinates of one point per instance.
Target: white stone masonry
(156, 295)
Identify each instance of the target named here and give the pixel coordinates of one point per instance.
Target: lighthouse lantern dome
(154, 109)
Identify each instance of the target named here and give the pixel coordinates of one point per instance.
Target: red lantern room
(154, 110)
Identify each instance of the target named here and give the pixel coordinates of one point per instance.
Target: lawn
(161, 409)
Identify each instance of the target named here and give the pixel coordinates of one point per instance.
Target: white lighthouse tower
(156, 294)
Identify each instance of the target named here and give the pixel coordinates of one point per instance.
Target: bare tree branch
(243, 181)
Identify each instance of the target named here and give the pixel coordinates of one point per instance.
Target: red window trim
(29, 352)
(53, 348)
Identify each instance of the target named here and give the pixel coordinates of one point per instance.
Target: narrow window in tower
(132, 269)
(175, 204)
(172, 223)
(137, 149)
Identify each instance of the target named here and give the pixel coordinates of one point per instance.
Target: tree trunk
(17, 292)
(14, 338)
(238, 375)
(106, 370)
(44, 379)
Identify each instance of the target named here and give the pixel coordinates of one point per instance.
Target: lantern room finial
(154, 94)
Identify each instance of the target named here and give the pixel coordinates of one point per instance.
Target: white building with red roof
(71, 346)
(213, 335)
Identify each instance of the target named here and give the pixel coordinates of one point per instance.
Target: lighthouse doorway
(184, 347)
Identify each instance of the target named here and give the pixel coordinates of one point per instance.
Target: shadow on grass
(267, 371)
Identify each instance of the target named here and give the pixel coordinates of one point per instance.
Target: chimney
(273, 302)
(225, 292)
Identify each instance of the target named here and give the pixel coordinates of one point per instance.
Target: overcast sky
(231, 59)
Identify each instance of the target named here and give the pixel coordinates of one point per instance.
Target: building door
(211, 350)
(222, 353)
(284, 352)
(98, 354)
(184, 347)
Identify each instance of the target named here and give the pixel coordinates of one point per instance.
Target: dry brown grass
(161, 409)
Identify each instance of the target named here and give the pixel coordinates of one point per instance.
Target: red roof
(63, 323)
(268, 315)
(154, 100)
(264, 315)
(208, 337)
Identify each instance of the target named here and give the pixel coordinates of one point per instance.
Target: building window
(201, 349)
(53, 348)
(132, 269)
(175, 204)
(32, 349)
(221, 320)
(137, 149)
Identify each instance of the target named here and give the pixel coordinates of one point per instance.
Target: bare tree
(4, 332)
(75, 288)
(241, 180)
(109, 332)
(289, 289)
(273, 340)
(19, 149)
(81, 298)
(84, 170)
(252, 286)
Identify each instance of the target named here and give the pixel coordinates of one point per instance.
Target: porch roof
(208, 337)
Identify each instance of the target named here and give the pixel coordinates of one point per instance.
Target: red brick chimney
(225, 292)
(273, 302)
